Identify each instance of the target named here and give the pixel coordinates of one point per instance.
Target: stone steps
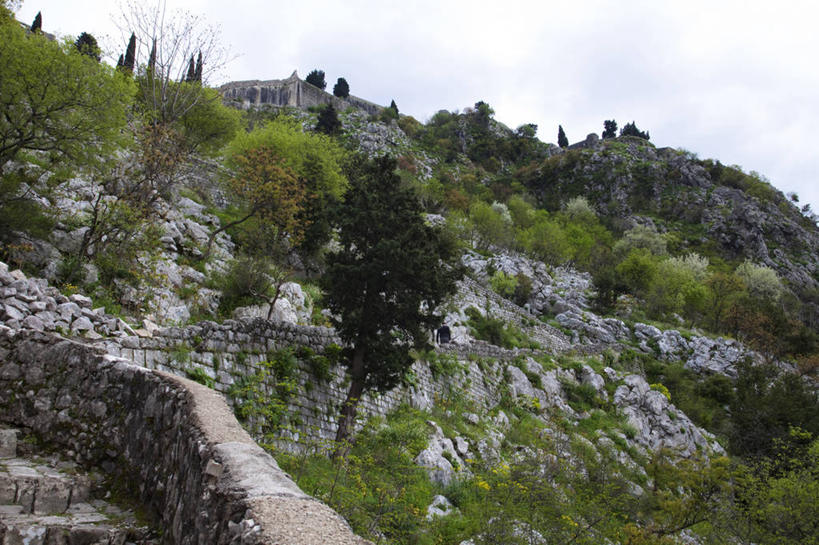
(46, 501)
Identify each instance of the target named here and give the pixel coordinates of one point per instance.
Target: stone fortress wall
(293, 92)
(176, 440)
(227, 352)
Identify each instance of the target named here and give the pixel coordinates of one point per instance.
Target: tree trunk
(346, 419)
(225, 227)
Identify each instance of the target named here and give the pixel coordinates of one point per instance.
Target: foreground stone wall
(175, 440)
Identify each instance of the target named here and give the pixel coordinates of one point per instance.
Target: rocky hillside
(714, 209)
(634, 339)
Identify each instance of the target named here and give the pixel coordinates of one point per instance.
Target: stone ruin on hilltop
(293, 92)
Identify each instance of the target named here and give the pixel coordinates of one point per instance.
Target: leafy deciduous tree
(315, 159)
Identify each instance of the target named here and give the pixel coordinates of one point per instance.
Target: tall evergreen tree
(394, 106)
(341, 89)
(328, 121)
(391, 272)
(87, 45)
(37, 25)
(130, 55)
(316, 77)
(630, 129)
(609, 128)
(562, 141)
(152, 56)
(197, 75)
(120, 62)
(191, 75)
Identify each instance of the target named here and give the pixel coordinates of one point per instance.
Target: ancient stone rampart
(176, 441)
(226, 354)
(293, 92)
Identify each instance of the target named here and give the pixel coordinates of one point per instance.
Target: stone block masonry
(225, 354)
(293, 92)
(175, 441)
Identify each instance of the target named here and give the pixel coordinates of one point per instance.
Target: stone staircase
(46, 501)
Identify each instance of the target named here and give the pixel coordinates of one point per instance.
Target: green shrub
(199, 375)
(493, 330)
(503, 284)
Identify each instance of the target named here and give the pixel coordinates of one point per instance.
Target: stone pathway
(48, 501)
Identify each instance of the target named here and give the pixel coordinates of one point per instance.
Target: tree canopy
(341, 89)
(328, 121)
(562, 141)
(316, 161)
(316, 77)
(609, 128)
(390, 273)
(56, 102)
(630, 129)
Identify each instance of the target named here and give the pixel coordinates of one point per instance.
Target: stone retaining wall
(175, 440)
(227, 353)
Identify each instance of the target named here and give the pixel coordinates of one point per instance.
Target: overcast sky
(736, 81)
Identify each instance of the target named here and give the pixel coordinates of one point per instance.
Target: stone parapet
(176, 442)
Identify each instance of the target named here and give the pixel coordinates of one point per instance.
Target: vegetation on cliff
(669, 238)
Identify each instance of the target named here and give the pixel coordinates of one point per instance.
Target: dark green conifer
(191, 75)
(328, 121)
(37, 25)
(609, 128)
(152, 56)
(341, 89)
(316, 77)
(390, 273)
(87, 45)
(130, 55)
(562, 141)
(197, 74)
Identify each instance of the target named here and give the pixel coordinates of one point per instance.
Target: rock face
(30, 303)
(658, 424)
(442, 459)
(745, 216)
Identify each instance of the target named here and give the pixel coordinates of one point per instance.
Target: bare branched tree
(166, 41)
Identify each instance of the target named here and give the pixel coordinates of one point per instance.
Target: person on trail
(443, 334)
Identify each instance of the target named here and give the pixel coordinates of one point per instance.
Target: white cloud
(734, 80)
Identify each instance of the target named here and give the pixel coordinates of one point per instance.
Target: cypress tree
(562, 141)
(197, 75)
(609, 128)
(120, 63)
(316, 77)
(191, 70)
(130, 55)
(37, 25)
(152, 56)
(328, 121)
(87, 45)
(341, 88)
(394, 106)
